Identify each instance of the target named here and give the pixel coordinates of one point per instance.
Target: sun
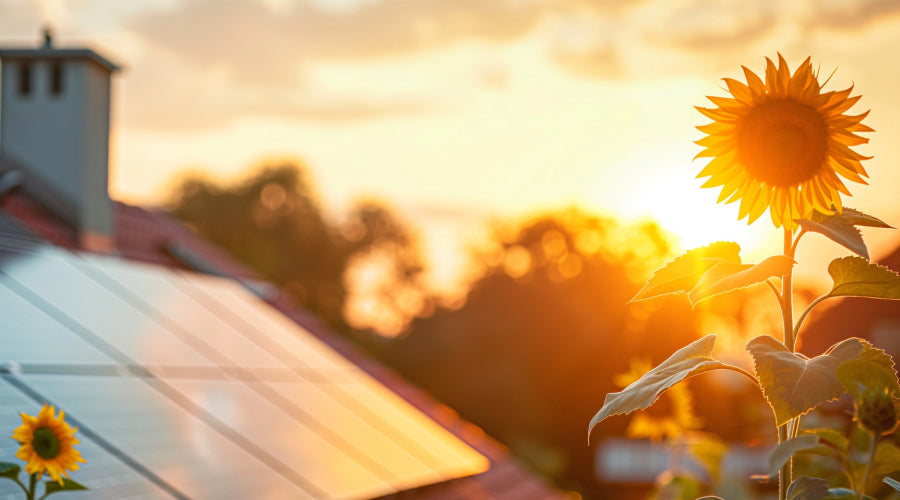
(658, 196)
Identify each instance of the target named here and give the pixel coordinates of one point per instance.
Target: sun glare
(660, 197)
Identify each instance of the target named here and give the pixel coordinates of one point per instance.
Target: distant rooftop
(48, 51)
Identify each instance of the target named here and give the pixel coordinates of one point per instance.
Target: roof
(23, 53)
(151, 236)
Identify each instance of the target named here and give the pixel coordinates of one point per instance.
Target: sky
(456, 111)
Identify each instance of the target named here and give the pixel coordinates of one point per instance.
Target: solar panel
(38, 338)
(205, 391)
(50, 281)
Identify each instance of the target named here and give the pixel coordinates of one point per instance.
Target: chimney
(54, 128)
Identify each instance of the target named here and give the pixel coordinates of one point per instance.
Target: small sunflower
(781, 144)
(670, 417)
(47, 444)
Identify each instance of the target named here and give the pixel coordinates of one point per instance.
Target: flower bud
(876, 411)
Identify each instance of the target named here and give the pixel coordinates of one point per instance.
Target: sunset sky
(454, 111)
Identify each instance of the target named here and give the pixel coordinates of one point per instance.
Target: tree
(272, 222)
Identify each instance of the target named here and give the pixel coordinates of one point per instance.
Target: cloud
(853, 15)
(20, 18)
(713, 26)
(169, 95)
(586, 45)
(261, 46)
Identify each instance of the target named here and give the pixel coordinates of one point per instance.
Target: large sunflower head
(47, 444)
(782, 144)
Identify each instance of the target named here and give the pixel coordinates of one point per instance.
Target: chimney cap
(48, 51)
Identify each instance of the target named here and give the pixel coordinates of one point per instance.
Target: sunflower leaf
(727, 276)
(838, 231)
(841, 228)
(693, 359)
(858, 376)
(808, 488)
(786, 449)
(832, 438)
(887, 458)
(855, 277)
(51, 487)
(683, 273)
(853, 217)
(10, 471)
(794, 384)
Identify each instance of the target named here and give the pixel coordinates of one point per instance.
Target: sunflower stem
(806, 312)
(873, 444)
(32, 485)
(774, 290)
(787, 314)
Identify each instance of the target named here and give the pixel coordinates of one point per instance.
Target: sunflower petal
(719, 115)
(740, 91)
(756, 85)
(726, 103)
(760, 206)
(715, 128)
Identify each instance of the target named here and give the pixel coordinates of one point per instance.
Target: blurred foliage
(542, 333)
(272, 221)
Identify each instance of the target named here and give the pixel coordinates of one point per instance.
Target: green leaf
(841, 228)
(832, 438)
(683, 273)
(728, 276)
(786, 449)
(808, 488)
(9, 470)
(855, 277)
(860, 375)
(854, 217)
(693, 359)
(794, 384)
(51, 487)
(840, 232)
(887, 458)
(893, 483)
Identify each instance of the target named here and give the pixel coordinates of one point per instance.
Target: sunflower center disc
(782, 142)
(45, 443)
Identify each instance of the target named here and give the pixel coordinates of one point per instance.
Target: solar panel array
(188, 386)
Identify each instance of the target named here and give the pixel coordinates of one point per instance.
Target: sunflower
(670, 417)
(47, 444)
(781, 144)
